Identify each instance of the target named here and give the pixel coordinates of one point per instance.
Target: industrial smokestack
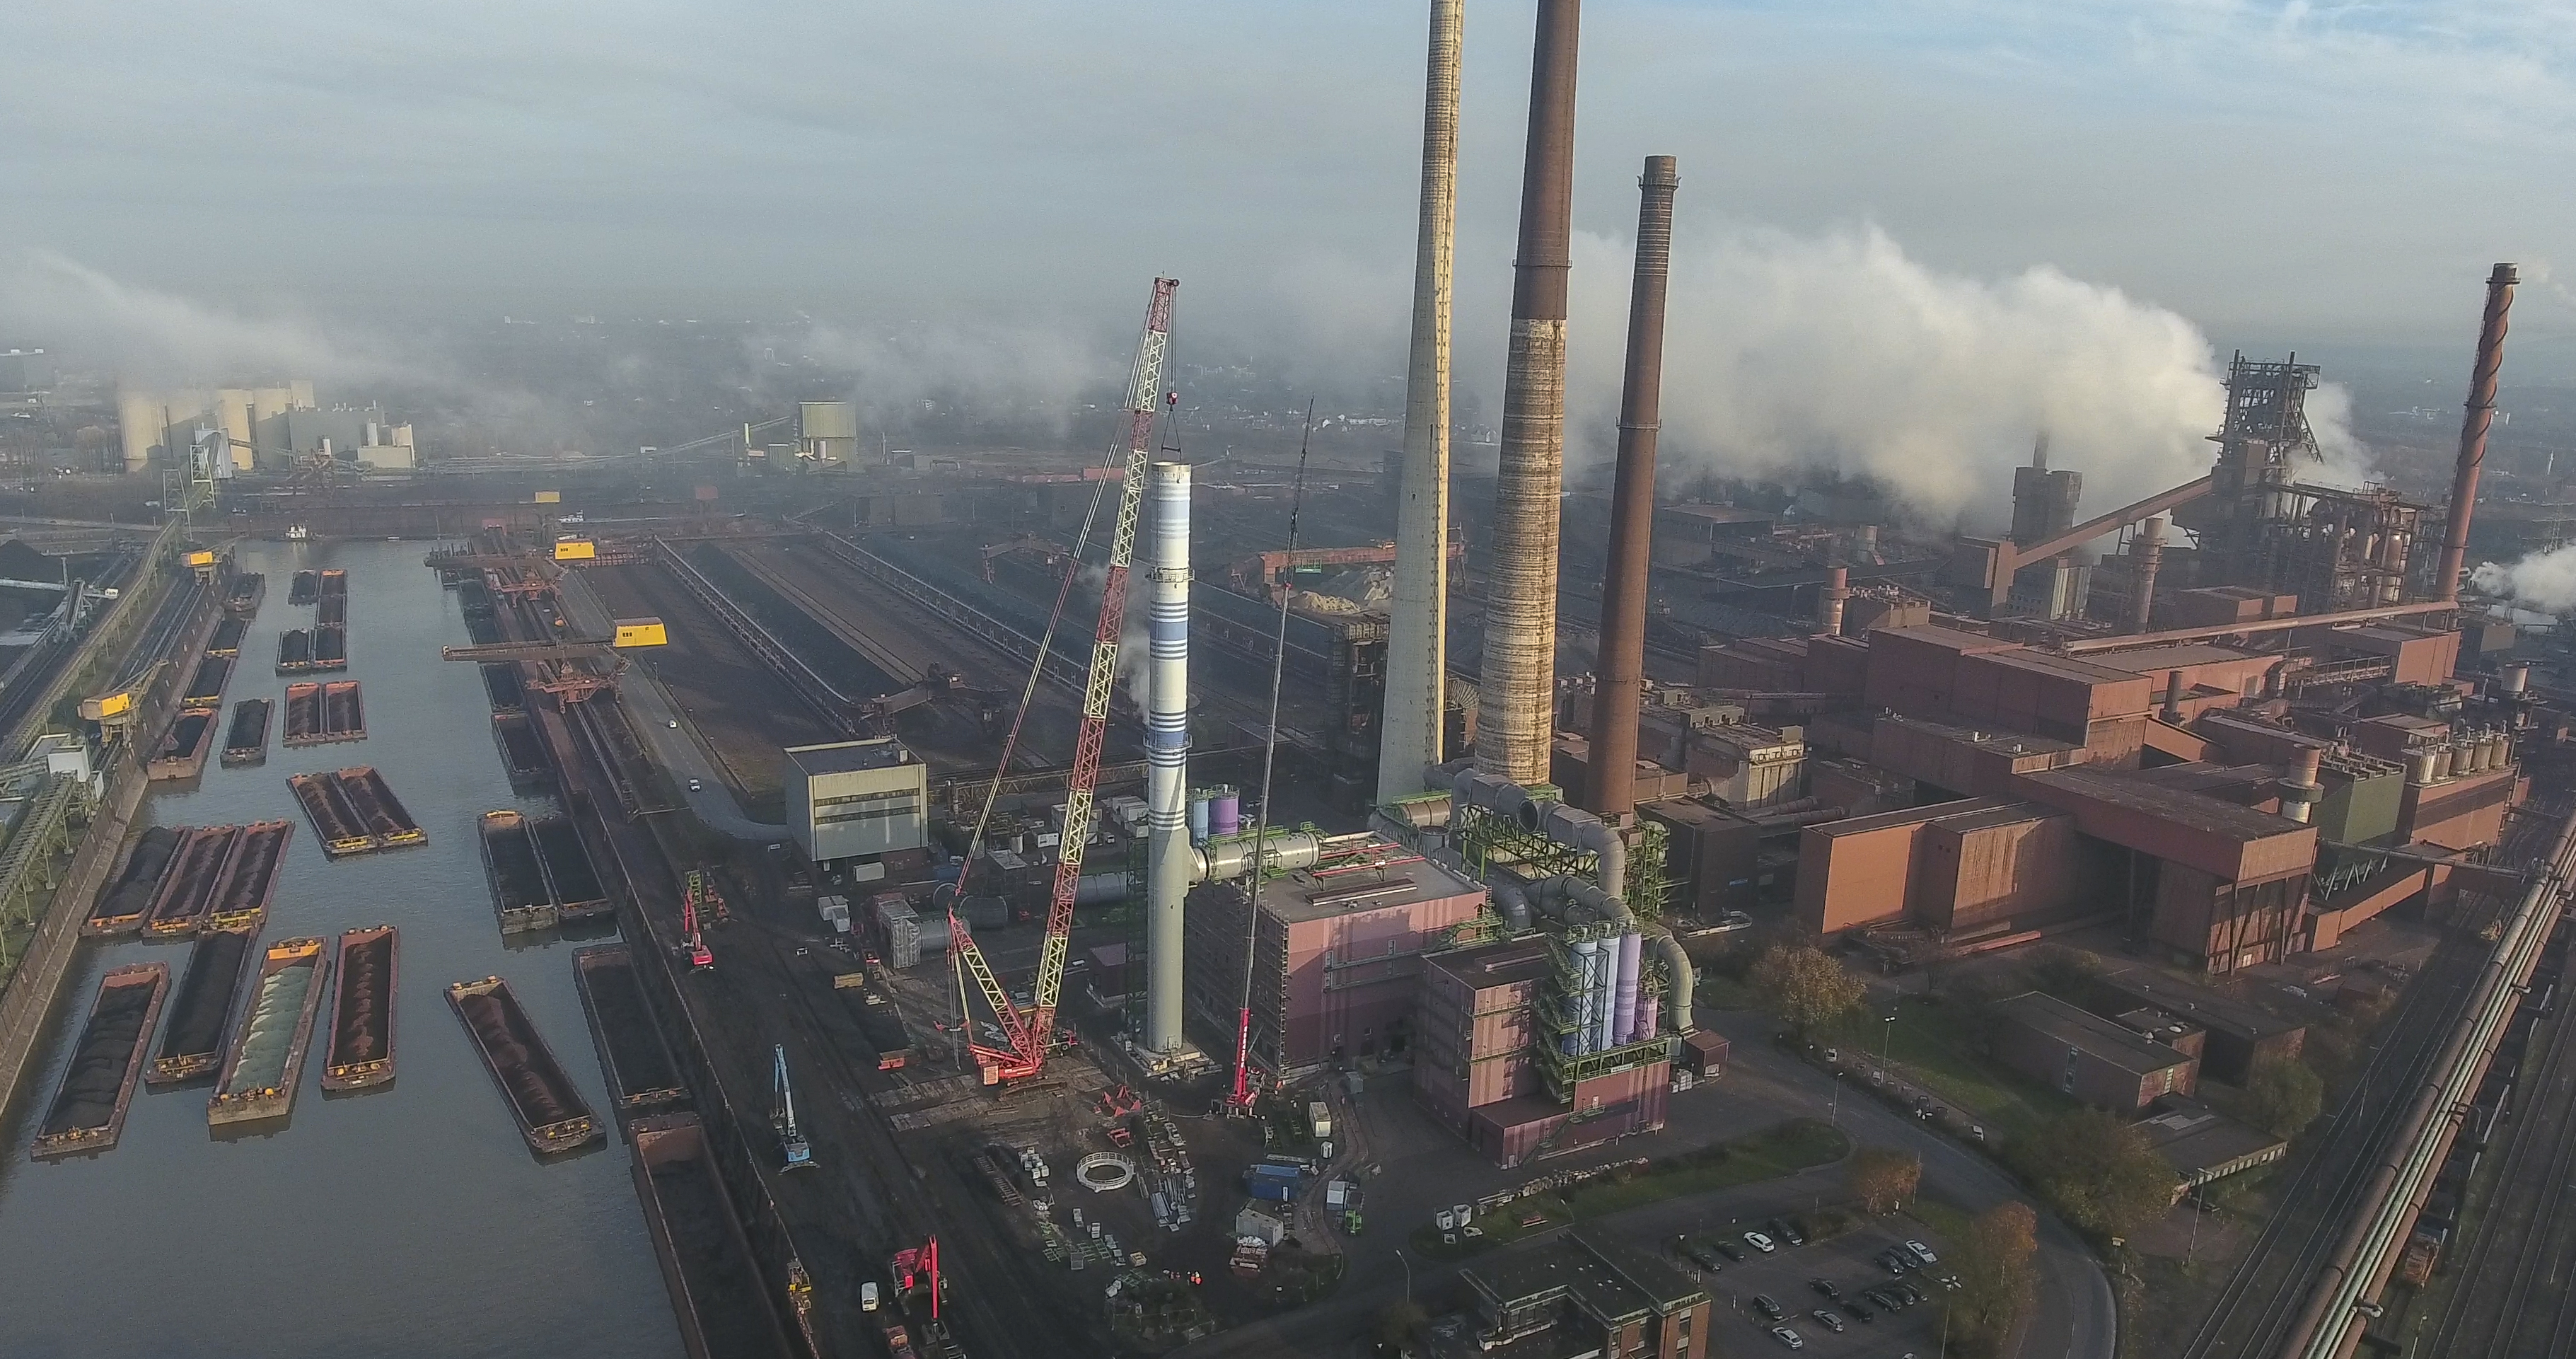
(1517, 692)
(1417, 660)
(1621, 668)
(2146, 557)
(1829, 602)
(2299, 792)
(2473, 428)
(1169, 865)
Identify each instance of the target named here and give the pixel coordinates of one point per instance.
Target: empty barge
(331, 647)
(206, 687)
(326, 805)
(523, 755)
(642, 1077)
(304, 589)
(227, 638)
(577, 890)
(248, 589)
(520, 900)
(550, 1112)
(182, 754)
(379, 812)
(124, 904)
(250, 877)
(193, 1045)
(88, 1112)
(188, 890)
(247, 741)
(706, 1259)
(362, 1019)
(267, 1060)
(294, 651)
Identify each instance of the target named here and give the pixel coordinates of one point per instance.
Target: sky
(2299, 172)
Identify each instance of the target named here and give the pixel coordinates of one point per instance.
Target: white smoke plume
(2543, 580)
(152, 337)
(1027, 374)
(1789, 354)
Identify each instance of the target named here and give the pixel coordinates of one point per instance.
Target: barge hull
(200, 1014)
(121, 908)
(183, 749)
(246, 742)
(549, 1110)
(188, 889)
(327, 807)
(250, 879)
(362, 1015)
(88, 1112)
(642, 1075)
(379, 812)
(716, 1291)
(236, 1101)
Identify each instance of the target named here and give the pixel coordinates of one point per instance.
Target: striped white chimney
(1169, 864)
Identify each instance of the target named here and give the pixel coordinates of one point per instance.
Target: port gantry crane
(792, 1146)
(1027, 1032)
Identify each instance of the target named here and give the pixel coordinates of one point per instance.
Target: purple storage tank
(1225, 812)
(1623, 1022)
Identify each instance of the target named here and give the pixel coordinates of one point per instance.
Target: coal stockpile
(641, 1072)
(188, 889)
(379, 812)
(501, 682)
(725, 1299)
(123, 905)
(362, 1022)
(576, 884)
(550, 1112)
(522, 754)
(193, 1042)
(248, 589)
(331, 647)
(227, 639)
(344, 712)
(206, 688)
(304, 589)
(250, 879)
(326, 804)
(247, 741)
(88, 1111)
(332, 611)
(303, 715)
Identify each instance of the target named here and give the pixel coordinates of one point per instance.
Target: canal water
(410, 1220)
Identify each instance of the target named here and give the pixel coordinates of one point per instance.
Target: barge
(520, 900)
(183, 749)
(243, 599)
(247, 741)
(88, 1112)
(344, 712)
(379, 812)
(304, 589)
(188, 890)
(331, 611)
(122, 906)
(303, 715)
(716, 1290)
(502, 684)
(331, 647)
(642, 1077)
(577, 890)
(294, 651)
(326, 805)
(362, 1019)
(250, 878)
(227, 639)
(206, 687)
(193, 1045)
(550, 1112)
(267, 1061)
(334, 585)
(523, 753)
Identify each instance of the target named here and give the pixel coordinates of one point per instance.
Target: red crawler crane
(693, 941)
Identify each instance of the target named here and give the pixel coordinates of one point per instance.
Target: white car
(675, 724)
(1759, 1242)
(1788, 1337)
(1922, 1252)
(696, 786)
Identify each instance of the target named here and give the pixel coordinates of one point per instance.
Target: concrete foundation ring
(1103, 1171)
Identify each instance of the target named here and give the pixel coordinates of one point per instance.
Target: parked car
(1826, 1287)
(1895, 1261)
(1859, 1313)
(1787, 1337)
(1909, 1292)
(696, 786)
(1699, 1254)
(1769, 1307)
(1787, 1231)
(1727, 1248)
(1885, 1298)
(1828, 1320)
(1759, 1242)
(1922, 1252)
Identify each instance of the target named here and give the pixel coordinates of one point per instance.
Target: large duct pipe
(2146, 557)
(1517, 694)
(1417, 660)
(1169, 861)
(1571, 827)
(1679, 980)
(1829, 602)
(1226, 860)
(1621, 668)
(2473, 429)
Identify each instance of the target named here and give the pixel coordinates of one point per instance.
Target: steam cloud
(158, 338)
(2544, 580)
(1786, 354)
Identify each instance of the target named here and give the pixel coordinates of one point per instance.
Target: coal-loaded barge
(206, 687)
(304, 589)
(121, 907)
(183, 749)
(248, 589)
(331, 647)
(379, 811)
(578, 893)
(550, 1111)
(523, 753)
(250, 879)
(193, 1044)
(354, 812)
(247, 741)
(331, 610)
(520, 900)
(188, 889)
(706, 1259)
(227, 638)
(362, 1022)
(88, 1112)
(294, 651)
(319, 713)
(642, 1077)
(267, 1060)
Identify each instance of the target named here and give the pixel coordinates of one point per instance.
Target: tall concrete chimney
(1417, 659)
(1169, 865)
(2473, 429)
(1622, 667)
(1829, 601)
(2146, 558)
(1517, 691)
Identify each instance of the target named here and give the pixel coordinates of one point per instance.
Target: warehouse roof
(1497, 964)
(1303, 896)
(2218, 1013)
(2105, 1039)
(1613, 1283)
(2202, 1144)
(845, 757)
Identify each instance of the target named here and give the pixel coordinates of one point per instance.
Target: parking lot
(1846, 1262)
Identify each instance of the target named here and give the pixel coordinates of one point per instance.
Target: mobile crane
(799, 1154)
(693, 941)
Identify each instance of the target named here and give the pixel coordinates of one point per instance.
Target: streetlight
(1401, 1259)
(1836, 1118)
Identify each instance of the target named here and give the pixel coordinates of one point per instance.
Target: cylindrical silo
(1225, 811)
(1623, 1023)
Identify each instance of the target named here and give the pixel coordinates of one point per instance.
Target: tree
(1397, 1322)
(1993, 1264)
(1883, 1178)
(2101, 1173)
(2283, 1095)
(1804, 985)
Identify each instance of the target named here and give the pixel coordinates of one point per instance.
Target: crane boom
(1028, 1032)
